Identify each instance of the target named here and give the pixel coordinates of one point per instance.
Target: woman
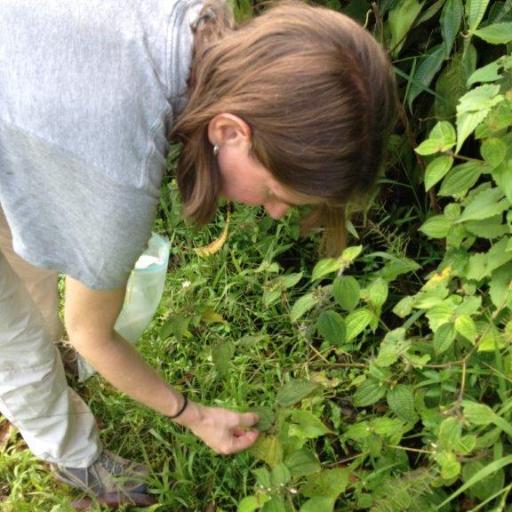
(292, 108)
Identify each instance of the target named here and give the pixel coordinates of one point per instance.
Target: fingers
(248, 419)
(243, 441)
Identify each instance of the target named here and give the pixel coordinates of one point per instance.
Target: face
(245, 180)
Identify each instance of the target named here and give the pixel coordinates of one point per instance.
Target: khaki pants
(54, 421)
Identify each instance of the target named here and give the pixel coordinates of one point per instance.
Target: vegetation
(383, 378)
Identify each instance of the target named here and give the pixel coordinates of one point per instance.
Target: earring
(216, 148)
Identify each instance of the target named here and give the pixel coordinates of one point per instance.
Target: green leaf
(426, 71)
(295, 391)
(451, 16)
(480, 98)
(266, 416)
(358, 431)
(262, 475)
(275, 504)
(498, 33)
(303, 305)
(441, 138)
(302, 463)
(486, 487)
(485, 204)
(176, 325)
(369, 392)
(400, 21)
(450, 466)
(357, 321)
(465, 326)
(268, 449)
(326, 266)
(493, 467)
(493, 151)
(346, 292)
(222, 353)
(461, 178)
(450, 86)
(436, 170)
(503, 177)
(436, 227)
(450, 432)
(318, 504)
(377, 292)
(488, 73)
(328, 483)
(280, 475)
(331, 326)
(329, 265)
(251, 503)
(475, 10)
(477, 414)
(310, 426)
(351, 253)
(404, 307)
(466, 123)
(290, 280)
(488, 228)
(444, 337)
(473, 108)
(392, 347)
(482, 265)
(401, 402)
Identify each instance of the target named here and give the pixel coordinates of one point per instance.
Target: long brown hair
(317, 91)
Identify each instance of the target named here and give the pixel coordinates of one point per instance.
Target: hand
(222, 430)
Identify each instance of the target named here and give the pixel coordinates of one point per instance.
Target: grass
(221, 298)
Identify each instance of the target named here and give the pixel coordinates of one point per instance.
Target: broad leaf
(488, 73)
(302, 463)
(401, 402)
(331, 326)
(493, 151)
(475, 10)
(357, 321)
(302, 306)
(295, 391)
(268, 449)
(436, 170)
(499, 33)
(461, 178)
(328, 483)
(444, 337)
(346, 291)
(426, 71)
(308, 426)
(483, 205)
(368, 393)
(400, 21)
(436, 227)
(451, 16)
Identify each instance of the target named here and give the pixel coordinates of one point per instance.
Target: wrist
(193, 414)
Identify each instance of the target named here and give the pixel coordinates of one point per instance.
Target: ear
(228, 129)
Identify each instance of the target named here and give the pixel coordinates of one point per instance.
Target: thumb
(248, 419)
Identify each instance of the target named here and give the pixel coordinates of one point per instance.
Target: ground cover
(383, 377)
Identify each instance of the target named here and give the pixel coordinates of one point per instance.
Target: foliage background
(383, 378)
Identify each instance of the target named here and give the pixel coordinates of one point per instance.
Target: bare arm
(90, 316)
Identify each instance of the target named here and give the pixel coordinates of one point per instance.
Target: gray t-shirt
(88, 92)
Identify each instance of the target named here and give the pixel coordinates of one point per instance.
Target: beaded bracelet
(183, 407)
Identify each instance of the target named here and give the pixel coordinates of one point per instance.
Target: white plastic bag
(143, 293)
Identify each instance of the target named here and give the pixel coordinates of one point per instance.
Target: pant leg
(34, 396)
(40, 283)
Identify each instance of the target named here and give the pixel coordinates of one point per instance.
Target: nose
(276, 210)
